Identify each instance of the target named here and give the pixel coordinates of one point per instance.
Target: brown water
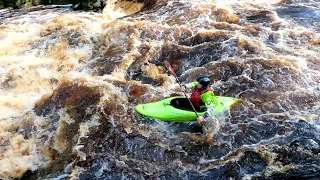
(70, 81)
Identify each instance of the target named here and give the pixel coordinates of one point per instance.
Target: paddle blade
(168, 66)
(204, 130)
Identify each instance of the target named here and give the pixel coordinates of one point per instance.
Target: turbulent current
(70, 81)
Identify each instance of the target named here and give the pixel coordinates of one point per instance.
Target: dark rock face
(62, 2)
(11, 3)
(89, 5)
(23, 3)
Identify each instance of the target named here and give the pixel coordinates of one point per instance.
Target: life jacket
(196, 96)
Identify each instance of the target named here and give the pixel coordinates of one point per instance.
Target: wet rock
(10, 3)
(89, 5)
(22, 3)
(63, 2)
(39, 2)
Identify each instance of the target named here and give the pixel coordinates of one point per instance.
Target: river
(70, 81)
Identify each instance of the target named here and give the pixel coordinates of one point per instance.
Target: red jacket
(196, 96)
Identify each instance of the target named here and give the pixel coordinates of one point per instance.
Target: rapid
(70, 81)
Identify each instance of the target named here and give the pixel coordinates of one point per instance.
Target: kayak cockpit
(184, 104)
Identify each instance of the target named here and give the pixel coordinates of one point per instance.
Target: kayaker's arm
(209, 99)
(191, 85)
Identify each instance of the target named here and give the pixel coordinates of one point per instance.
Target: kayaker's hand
(200, 118)
(183, 89)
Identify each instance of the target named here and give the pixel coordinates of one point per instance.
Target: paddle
(168, 66)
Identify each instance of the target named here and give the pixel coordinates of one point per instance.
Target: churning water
(70, 81)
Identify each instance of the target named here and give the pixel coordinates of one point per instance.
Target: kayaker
(201, 96)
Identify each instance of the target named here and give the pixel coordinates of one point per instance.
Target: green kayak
(177, 109)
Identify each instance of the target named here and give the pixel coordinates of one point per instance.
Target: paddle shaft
(168, 66)
(194, 109)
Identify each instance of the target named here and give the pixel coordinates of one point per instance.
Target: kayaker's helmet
(204, 81)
